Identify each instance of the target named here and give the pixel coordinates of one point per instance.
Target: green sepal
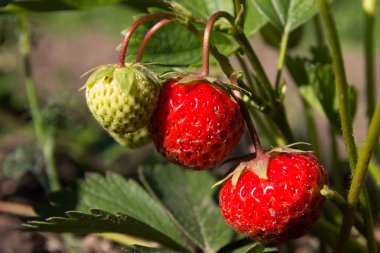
(237, 171)
(99, 73)
(288, 149)
(190, 78)
(148, 73)
(124, 77)
(259, 165)
(132, 73)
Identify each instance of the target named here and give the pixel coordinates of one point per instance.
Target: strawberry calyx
(124, 76)
(182, 78)
(259, 164)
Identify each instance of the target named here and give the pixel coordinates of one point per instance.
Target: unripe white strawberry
(122, 99)
(133, 140)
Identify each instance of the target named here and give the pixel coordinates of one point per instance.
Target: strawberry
(122, 99)
(196, 123)
(133, 140)
(275, 203)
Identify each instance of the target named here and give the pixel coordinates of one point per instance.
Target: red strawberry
(281, 205)
(195, 124)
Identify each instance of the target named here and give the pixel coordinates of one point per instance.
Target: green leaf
(316, 82)
(254, 19)
(59, 5)
(288, 14)
(39, 6)
(251, 248)
(255, 248)
(191, 201)
(272, 36)
(174, 46)
(205, 8)
(122, 202)
(142, 249)
(98, 221)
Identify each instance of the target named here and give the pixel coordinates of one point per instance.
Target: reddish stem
(207, 35)
(148, 35)
(248, 120)
(132, 28)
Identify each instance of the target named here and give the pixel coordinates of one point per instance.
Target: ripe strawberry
(122, 99)
(195, 124)
(281, 205)
(133, 140)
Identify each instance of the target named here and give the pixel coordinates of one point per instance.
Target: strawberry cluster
(195, 121)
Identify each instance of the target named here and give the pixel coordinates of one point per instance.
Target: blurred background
(66, 44)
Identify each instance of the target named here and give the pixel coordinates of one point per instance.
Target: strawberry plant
(210, 185)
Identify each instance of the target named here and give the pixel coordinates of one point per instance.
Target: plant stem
(148, 35)
(269, 129)
(45, 138)
(256, 86)
(268, 133)
(375, 172)
(247, 73)
(254, 61)
(318, 31)
(337, 173)
(346, 122)
(335, 197)
(239, 13)
(311, 128)
(328, 233)
(133, 27)
(206, 38)
(359, 176)
(340, 81)
(369, 8)
(281, 58)
(277, 111)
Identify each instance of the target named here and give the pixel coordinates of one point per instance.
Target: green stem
(366, 211)
(346, 122)
(45, 138)
(263, 127)
(281, 58)
(337, 172)
(340, 81)
(223, 61)
(247, 73)
(239, 14)
(358, 179)
(268, 128)
(311, 128)
(334, 196)
(375, 172)
(318, 31)
(278, 116)
(369, 8)
(255, 62)
(328, 233)
(277, 110)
